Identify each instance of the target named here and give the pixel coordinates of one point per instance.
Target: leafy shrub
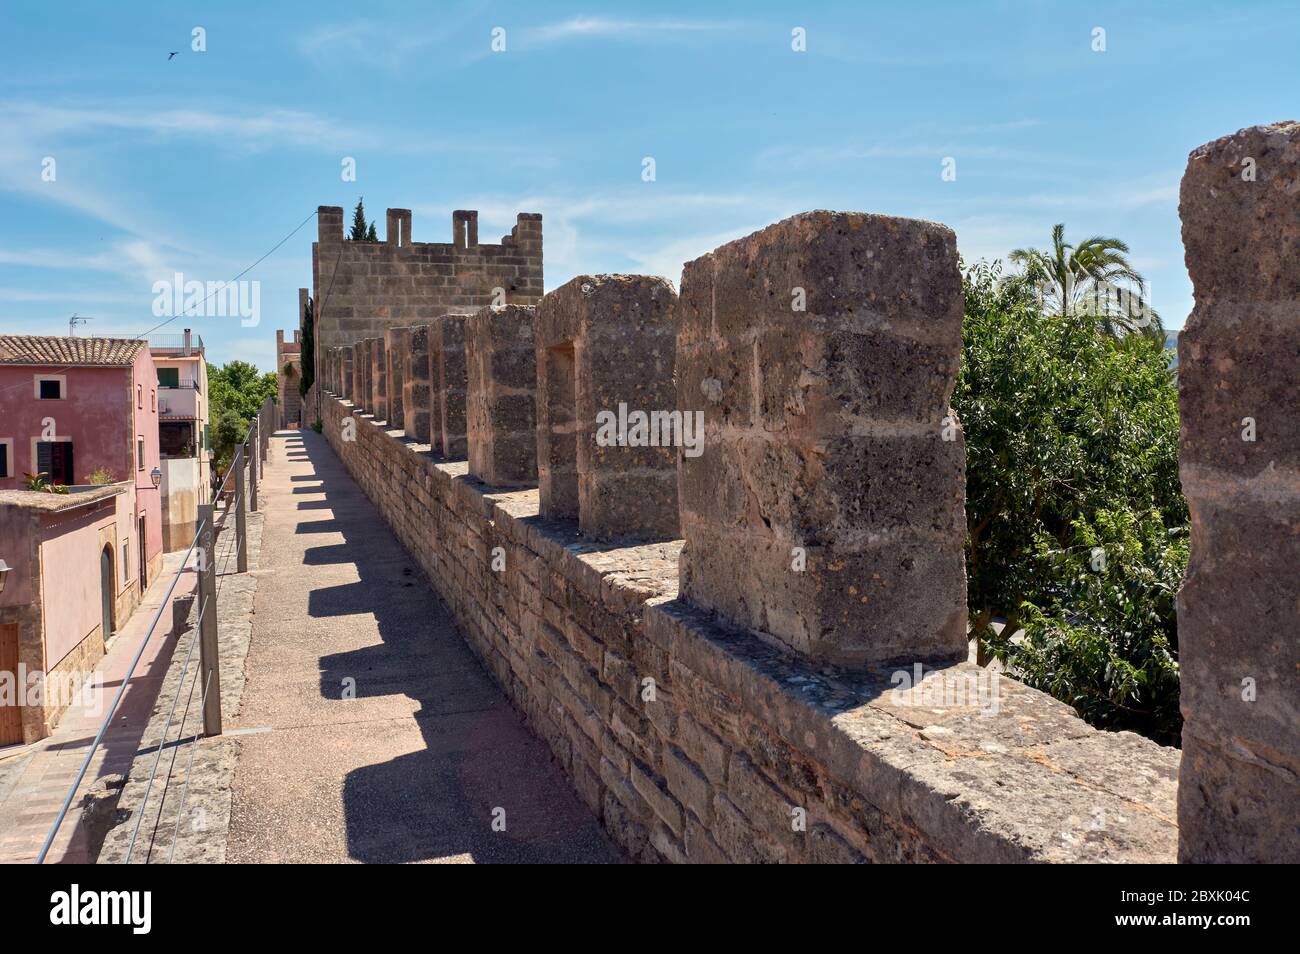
(1077, 528)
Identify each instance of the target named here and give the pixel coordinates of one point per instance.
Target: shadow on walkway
(389, 741)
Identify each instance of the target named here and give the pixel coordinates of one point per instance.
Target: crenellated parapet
(361, 289)
(713, 545)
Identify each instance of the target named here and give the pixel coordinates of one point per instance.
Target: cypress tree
(358, 233)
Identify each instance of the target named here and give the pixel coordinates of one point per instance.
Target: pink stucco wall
(101, 415)
(69, 555)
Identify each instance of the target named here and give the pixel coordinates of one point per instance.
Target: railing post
(252, 474)
(264, 431)
(241, 519)
(209, 658)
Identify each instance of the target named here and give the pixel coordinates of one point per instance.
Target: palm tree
(1091, 280)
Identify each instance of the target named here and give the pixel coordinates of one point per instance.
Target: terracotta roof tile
(45, 350)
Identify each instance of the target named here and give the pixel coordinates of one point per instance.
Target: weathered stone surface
(360, 367)
(826, 512)
(1238, 391)
(378, 379)
(416, 391)
(501, 400)
(396, 346)
(361, 289)
(450, 379)
(605, 346)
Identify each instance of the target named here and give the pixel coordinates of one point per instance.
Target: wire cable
(233, 280)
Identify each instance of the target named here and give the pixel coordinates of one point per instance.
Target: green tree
(227, 434)
(1076, 520)
(1093, 279)
(360, 232)
(307, 349)
(236, 388)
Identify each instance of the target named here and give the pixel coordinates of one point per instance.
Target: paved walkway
(34, 782)
(370, 731)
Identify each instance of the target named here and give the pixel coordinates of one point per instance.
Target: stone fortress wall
(740, 625)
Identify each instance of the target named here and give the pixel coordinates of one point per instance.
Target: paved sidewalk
(182, 815)
(372, 733)
(33, 784)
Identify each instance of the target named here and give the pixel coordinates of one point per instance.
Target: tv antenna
(74, 321)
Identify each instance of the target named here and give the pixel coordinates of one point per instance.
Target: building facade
(184, 434)
(74, 578)
(84, 411)
(288, 372)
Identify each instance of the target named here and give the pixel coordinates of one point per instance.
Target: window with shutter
(61, 463)
(55, 459)
(169, 377)
(4, 460)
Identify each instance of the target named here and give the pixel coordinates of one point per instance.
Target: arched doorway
(106, 589)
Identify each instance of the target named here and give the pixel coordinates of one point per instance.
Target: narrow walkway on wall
(369, 732)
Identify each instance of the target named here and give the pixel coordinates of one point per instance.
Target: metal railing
(250, 458)
(176, 342)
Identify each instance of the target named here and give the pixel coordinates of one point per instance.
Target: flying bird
(170, 55)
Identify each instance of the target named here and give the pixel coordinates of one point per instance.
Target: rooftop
(184, 345)
(53, 503)
(46, 350)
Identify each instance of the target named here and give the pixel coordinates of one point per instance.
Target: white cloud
(581, 26)
(366, 43)
(40, 123)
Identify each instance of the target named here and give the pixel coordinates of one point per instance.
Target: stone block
(378, 380)
(606, 408)
(416, 389)
(396, 346)
(1238, 391)
(449, 377)
(826, 509)
(500, 410)
(360, 374)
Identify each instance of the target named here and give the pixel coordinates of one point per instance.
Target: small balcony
(180, 403)
(181, 345)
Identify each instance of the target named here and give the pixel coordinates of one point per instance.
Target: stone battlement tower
(362, 289)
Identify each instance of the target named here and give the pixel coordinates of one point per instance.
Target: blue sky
(203, 163)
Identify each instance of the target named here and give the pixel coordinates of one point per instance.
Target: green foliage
(229, 432)
(236, 391)
(307, 350)
(1072, 450)
(318, 425)
(41, 482)
(1091, 279)
(360, 232)
(100, 476)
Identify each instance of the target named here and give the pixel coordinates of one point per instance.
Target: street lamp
(156, 476)
(4, 574)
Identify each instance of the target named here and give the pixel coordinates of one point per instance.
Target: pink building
(84, 410)
(72, 582)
